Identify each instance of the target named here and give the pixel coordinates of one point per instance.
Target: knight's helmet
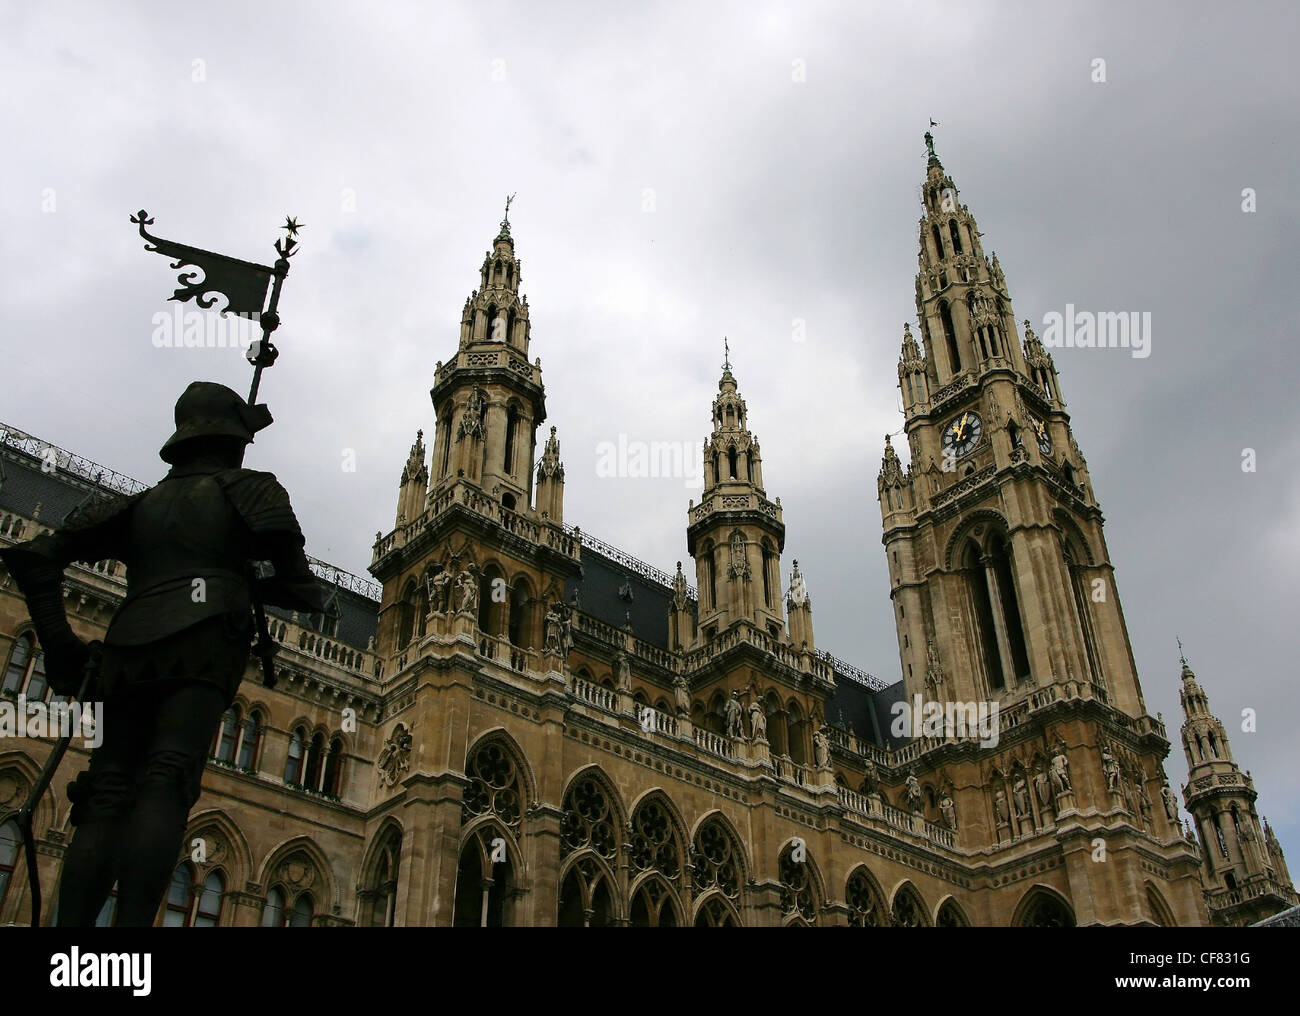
(207, 409)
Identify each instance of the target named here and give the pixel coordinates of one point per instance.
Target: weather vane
(726, 355)
(208, 275)
(506, 220)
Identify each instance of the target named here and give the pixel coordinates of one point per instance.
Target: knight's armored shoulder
(260, 500)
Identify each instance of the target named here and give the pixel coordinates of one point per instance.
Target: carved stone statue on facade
(870, 778)
(439, 587)
(1042, 787)
(1061, 771)
(757, 720)
(554, 624)
(913, 792)
(471, 420)
(798, 594)
(682, 695)
(679, 588)
(1111, 768)
(822, 748)
(933, 667)
(467, 590)
(623, 672)
(1000, 806)
(739, 568)
(1020, 793)
(949, 811)
(734, 716)
(394, 758)
(1171, 802)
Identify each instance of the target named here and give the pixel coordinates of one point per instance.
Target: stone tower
(1245, 874)
(735, 533)
(1004, 598)
(997, 561)
(471, 516)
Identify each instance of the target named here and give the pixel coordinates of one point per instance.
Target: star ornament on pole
(207, 276)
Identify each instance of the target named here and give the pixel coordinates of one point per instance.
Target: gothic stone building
(524, 725)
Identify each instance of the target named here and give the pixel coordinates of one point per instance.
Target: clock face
(962, 434)
(1044, 438)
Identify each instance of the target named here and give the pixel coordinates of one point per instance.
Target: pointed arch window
(732, 462)
(293, 770)
(950, 337)
(938, 242)
(956, 236)
(512, 425)
(25, 674)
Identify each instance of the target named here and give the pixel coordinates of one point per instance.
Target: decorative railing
(598, 696)
(788, 769)
(918, 825)
(952, 389)
(715, 744)
(505, 652)
(964, 486)
(736, 502)
(65, 461)
(854, 673)
(655, 722)
(480, 504)
(345, 579)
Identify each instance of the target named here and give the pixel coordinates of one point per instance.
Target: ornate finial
(929, 146)
(726, 356)
(506, 220)
(292, 225)
(1181, 655)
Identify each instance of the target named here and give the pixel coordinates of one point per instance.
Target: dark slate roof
(864, 710)
(23, 486)
(611, 592)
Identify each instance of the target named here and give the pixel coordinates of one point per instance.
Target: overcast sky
(684, 172)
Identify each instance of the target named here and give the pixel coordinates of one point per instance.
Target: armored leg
(171, 781)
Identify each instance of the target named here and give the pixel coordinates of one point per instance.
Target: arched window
(519, 629)
(315, 762)
(512, 425)
(227, 736)
(950, 336)
(19, 659)
(938, 242)
(731, 461)
(956, 236)
(718, 863)
(8, 856)
(273, 909)
(332, 779)
(293, 771)
(769, 563)
(798, 897)
(406, 616)
(179, 894)
(485, 883)
(25, 674)
(300, 916)
(207, 904)
(249, 741)
(798, 734)
(865, 907)
(381, 888)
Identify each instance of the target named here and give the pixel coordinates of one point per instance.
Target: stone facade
(523, 725)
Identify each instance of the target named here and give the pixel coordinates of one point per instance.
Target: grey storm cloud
(685, 172)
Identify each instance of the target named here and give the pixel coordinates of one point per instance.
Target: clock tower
(1005, 603)
(999, 573)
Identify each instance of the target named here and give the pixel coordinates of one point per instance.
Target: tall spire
(735, 534)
